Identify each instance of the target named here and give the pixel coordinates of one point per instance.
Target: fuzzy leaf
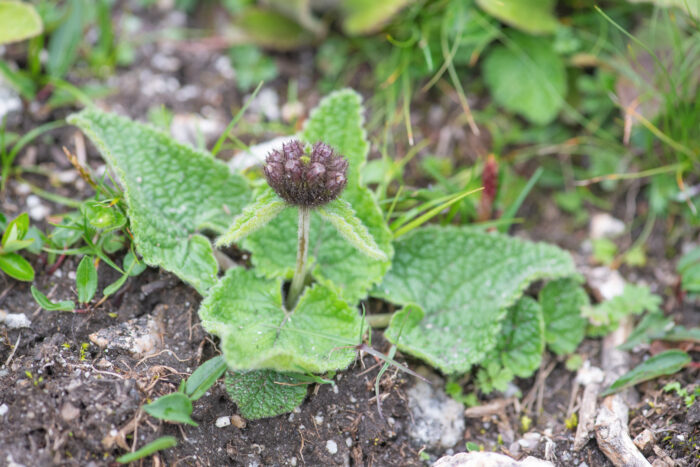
(265, 393)
(341, 215)
(18, 21)
(562, 302)
(522, 338)
(530, 16)
(464, 280)
(256, 332)
(172, 192)
(530, 80)
(337, 121)
(254, 216)
(665, 363)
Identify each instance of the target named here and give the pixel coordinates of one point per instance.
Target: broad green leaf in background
(18, 21)
(270, 29)
(687, 6)
(530, 16)
(665, 363)
(337, 121)
(362, 17)
(16, 267)
(175, 407)
(65, 40)
(528, 77)
(562, 302)
(256, 332)
(689, 269)
(86, 279)
(172, 192)
(463, 281)
(265, 393)
(252, 66)
(522, 338)
(46, 304)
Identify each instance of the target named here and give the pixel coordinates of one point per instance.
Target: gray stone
(488, 459)
(437, 419)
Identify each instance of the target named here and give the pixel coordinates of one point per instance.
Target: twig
(14, 349)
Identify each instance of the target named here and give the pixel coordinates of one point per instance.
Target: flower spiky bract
(306, 180)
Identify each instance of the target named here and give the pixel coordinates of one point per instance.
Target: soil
(65, 401)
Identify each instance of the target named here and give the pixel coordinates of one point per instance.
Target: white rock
(348, 442)
(10, 101)
(35, 209)
(14, 320)
(255, 155)
(603, 225)
(267, 102)
(488, 459)
(608, 282)
(437, 419)
(530, 440)
(3, 409)
(189, 128)
(589, 374)
(140, 336)
(332, 446)
(223, 421)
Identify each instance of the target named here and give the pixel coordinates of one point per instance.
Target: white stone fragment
(488, 459)
(14, 320)
(35, 209)
(603, 225)
(332, 446)
(223, 421)
(438, 420)
(3, 409)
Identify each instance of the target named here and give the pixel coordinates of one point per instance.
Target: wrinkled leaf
(337, 121)
(369, 16)
(254, 217)
(172, 192)
(175, 407)
(562, 302)
(86, 279)
(204, 377)
(265, 393)
(605, 317)
(18, 21)
(665, 363)
(16, 267)
(46, 304)
(529, 80)
(530, 16)
(256, 332)
(464, 280)
(340, 214)
(522, 338)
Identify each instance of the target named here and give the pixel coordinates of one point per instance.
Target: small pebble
(238, 421)
(331, 446)
(3, 409)
(348, 442)
(223, 422)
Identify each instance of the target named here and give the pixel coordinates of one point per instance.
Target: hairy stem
(302, 254)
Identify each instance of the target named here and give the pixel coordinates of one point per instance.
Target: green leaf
(256, 332)
(562, 302)
(341, 215)
(522, 338)
(65, 40)
(175, 407)
(16, 230)
(133, 266)
(164, 442)
(687, 6)
(17, 267)
(46, 304)
(86, 279)
(530, 16)
(606, 316)
(362, 17)
(115, 286)
(337, 121)
(172, 191)
(101, 216)
(265, 393)
(204, 377)
(689, 269)
(252, 66)
(464, 280)
(665, 363)
(254, 217)
(529, 78)
(18, 21)
(652, 324)
(270, 29)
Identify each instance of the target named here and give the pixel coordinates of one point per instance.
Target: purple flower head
(306, 180)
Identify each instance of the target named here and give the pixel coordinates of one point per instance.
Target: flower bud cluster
(306, 180)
